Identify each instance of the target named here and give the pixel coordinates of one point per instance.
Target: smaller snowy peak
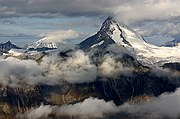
(42, 43)
(5, 47)
(52, 40)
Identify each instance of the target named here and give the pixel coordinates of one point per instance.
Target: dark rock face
(124, 88)
(96, 39)
(101, 36)
(119, 90)
(172, 66)
(7, 46)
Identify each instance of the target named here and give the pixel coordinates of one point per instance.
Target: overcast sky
(32, 18)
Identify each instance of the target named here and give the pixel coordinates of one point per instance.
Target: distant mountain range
(5, 47)
(173, 43)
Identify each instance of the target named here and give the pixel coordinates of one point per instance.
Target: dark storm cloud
(129, 9)
(55, 7)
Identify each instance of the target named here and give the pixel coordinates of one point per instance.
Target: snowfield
(146, 53)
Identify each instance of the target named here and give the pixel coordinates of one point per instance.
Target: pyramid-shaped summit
(114, 32)
(4, 47)
(111, 32)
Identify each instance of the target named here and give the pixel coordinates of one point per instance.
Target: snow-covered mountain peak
(120, 33)
(113, 32)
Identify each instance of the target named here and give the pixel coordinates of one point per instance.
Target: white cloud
(61, 36)
(15, 72)
(64, 64)
(168, 105)
(148, 10)
(40, 113)
(89, 108)
(77, 68)
(110, 68)
(157, 28)
(165, 105)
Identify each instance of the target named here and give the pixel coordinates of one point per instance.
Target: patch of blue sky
(158, 40)
(27, 29)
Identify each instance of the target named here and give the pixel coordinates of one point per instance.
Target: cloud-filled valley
(71, 65)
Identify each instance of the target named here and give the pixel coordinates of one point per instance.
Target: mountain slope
(5, 47)
(113, 32)
(8, 45)
(42, 44)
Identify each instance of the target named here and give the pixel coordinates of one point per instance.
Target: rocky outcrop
(5, 47)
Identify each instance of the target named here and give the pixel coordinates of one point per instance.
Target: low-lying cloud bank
(164, 106)
(14, 71)
(72, 66)
(75, 68)
(89, 108)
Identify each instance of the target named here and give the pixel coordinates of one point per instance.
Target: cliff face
(140, 87)
(5, 47)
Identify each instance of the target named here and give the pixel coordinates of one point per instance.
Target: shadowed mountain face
(173, 43)
(128, 81)
(4, 47)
